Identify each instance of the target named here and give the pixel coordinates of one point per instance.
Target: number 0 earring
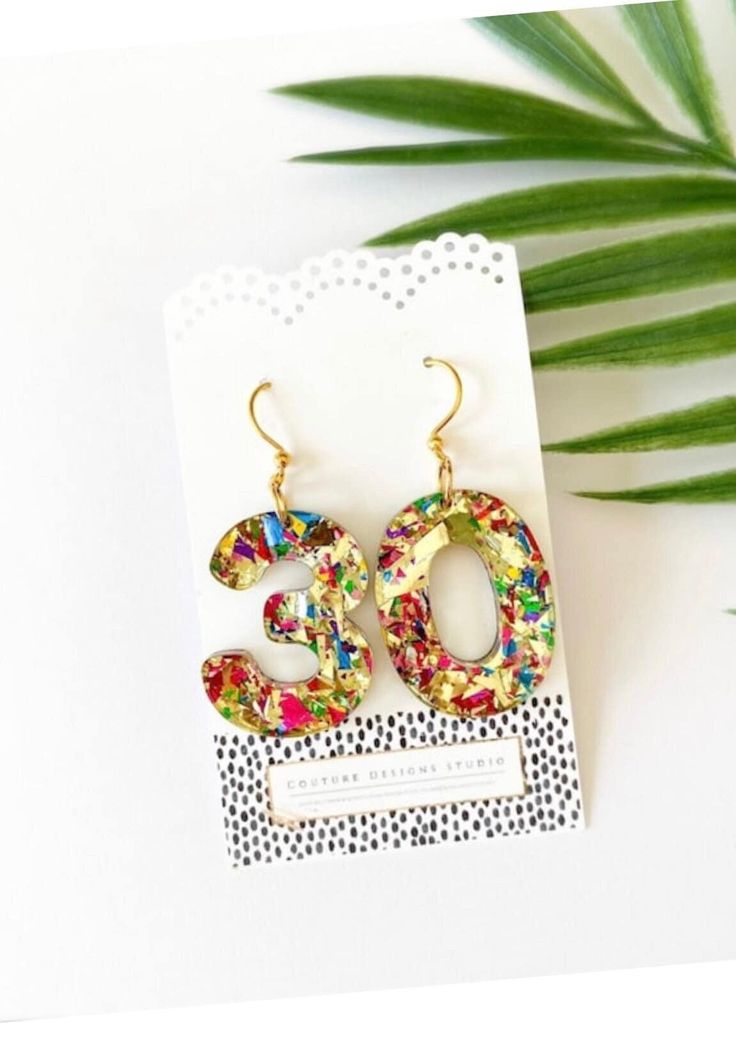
(523, 647)
(315, 618)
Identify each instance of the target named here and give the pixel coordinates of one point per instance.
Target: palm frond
(709, 333)
(573, 205)
(635, 268)
(509, 149)
(528, 126)
(709, 488)
(450, 103)
(702, 425)
(550, 42)
(666, 33)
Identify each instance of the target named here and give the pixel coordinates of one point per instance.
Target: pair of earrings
(318, 616)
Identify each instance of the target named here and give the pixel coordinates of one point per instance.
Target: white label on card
(397, 779)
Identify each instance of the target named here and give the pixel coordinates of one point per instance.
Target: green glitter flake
(530, 603)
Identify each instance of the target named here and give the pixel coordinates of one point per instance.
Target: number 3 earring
(315, 618)
(523, 647)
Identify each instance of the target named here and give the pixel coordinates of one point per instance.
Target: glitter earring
(315, 618)
(522, 650)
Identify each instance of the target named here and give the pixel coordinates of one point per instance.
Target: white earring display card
(342, 340)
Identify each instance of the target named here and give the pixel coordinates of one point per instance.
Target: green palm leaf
(636, 268)
(667, 35)
(703, 425)
(454, 104)
(670, 341)
(573, 205)
(527, 126)
(711, 487)
(551, 43)
(508, 149)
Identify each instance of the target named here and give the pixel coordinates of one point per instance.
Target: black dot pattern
(552, 801)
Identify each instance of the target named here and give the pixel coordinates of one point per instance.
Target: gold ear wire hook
(282, 457)
(435, 438)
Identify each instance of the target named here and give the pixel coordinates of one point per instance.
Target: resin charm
(523, 648)
(315, 618)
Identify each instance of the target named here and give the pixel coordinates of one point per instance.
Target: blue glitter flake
(273, 530)
(526, 677)
(306, 517)
(427, 502)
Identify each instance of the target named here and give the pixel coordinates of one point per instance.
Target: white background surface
(680, 1013)
(122, 176)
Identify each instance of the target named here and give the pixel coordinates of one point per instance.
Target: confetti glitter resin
(315, 618)
(523, 648)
